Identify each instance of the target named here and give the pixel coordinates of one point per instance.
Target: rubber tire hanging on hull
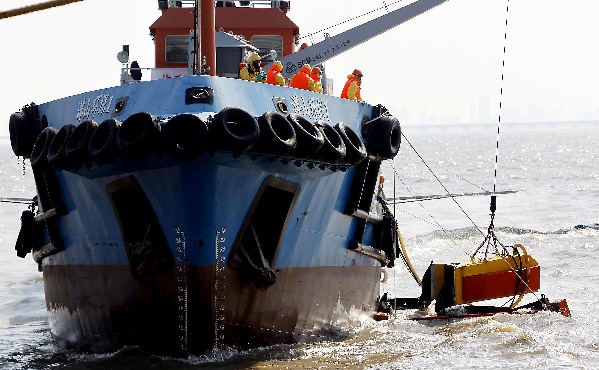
(277, 135)
(234, 129)
(309, 137)
(355, 149)
(76, 149)
(56, 151)
(102, 144)
(185, 136)
(24, 130)
(333, 150)
(39, 154)
(384, 137)
(139, 134)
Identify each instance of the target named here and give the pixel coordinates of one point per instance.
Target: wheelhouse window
(176, 47)
(267, 43)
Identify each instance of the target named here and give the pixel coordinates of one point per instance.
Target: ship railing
(159, 74)
(150, 74)
(277, 4)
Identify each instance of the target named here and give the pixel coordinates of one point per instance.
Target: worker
(252, 70)
(315, 74)
(302, 79)
(274, 76)
(351, 90)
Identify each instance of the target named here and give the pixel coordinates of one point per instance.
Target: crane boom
(335, 45)
(35, 8)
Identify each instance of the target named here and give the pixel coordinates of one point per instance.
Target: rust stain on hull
(102, 308)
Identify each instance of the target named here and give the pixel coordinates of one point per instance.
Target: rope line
(311, 34)
(434, 223)
(501, 94)
(442, 185)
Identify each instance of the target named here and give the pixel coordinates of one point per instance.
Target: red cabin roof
(238, 20)
(228, 19)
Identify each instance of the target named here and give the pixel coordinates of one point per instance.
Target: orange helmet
(278, 66)
(316, 71)
(357, 73)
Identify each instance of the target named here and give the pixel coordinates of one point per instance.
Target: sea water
(555, 171)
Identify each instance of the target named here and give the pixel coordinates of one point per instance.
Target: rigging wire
(501, 95)
(435, 222)
(422, 198)
(34, 8)
(442, 185)
(491, 239)
(464, 179)
(16, 200)
(309, 35)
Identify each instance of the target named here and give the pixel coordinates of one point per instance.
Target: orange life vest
(271, 76)
(302, 80)
(351, 79)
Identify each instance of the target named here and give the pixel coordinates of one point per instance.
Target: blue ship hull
(235, 246)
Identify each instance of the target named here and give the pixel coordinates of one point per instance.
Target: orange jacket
(351, 90)
(274, 76)
(302, 79)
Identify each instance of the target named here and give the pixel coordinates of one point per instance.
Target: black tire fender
(23, 134)
(139, 133)
(333, 150)
(384, 137)
(309, 137)
(26, 237)
(56, 152)
(76, 149)
(355, 149)
(277, 135)
(102, 144)
(234, 129)
(39, 154)
(185, 136)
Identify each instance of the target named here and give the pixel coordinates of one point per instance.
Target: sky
(444, 66)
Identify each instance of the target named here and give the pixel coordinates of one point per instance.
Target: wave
(467, 233)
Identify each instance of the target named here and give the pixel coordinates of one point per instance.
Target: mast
(205, 36)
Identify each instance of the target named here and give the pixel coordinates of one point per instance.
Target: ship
(196, 210)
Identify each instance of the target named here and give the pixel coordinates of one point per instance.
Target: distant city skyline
(482, 112)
